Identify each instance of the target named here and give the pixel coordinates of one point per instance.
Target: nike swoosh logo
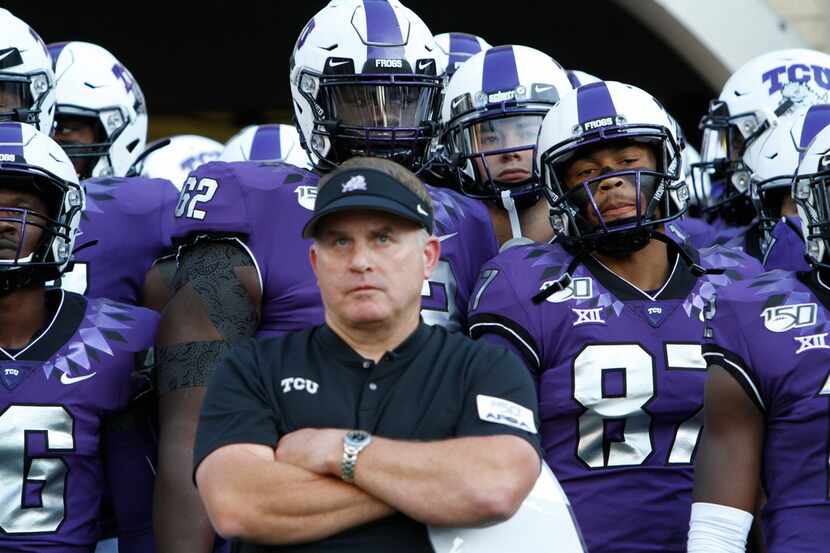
(7, 54)
(421, 210)
(66, 379)
(446, 236)
(542, 88)
(424, 65)
(336, 63)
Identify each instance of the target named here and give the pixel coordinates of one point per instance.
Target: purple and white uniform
(786, 248)
(620, 381)
(693, 231)
(770, 333)
(129, 220)
(264, 207)
(54, 396)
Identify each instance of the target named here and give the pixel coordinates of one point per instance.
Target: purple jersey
(770, 333)
(620, 381)
(691, 230)
(243, 199)
(785, 250)
(724, 233)
(54, 396)
(129, 220)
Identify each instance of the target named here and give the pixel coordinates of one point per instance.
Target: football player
(766, 409)
(608, 317)
(761, 92)
(174, 157)
(492, 110)
(267, 143)
(101, 122)
(371, 88)
(457, 48)
(66, 362)
(775, 237)
(103, 129)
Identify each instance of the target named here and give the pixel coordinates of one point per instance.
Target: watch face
(357, 437)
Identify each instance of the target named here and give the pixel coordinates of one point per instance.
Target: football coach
(356, 434)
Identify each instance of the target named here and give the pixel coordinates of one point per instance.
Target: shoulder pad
(224, 198)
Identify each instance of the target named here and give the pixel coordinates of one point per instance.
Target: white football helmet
(32, 161)
(366, 80)
(579, 78)
(773, 160)
(811, 194)
(493, 108)
(544, 522)
(173, 158)
(456, 48)
(92, 83)
(608, 112)
(267, 143)
(27, 83)
(763, 90)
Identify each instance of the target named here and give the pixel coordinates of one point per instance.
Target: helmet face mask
(649, 189)
(374, 116)
(654, 192)
(725, 140)
(495, 152)
(15, 95)
(811, 195)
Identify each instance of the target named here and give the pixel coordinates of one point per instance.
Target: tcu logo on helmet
(796, 73)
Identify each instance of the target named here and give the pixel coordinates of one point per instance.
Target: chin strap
(566, 279)
(510, 206)
(12, 281)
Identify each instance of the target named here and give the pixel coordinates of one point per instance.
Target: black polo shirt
(435, 385)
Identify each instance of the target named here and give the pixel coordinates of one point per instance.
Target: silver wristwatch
(354, 442)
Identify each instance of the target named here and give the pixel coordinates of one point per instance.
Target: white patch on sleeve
(501, 411)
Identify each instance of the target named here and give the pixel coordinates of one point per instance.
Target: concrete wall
(811, 18)
(717, 36)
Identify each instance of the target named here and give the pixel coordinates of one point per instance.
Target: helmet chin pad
(624, 243)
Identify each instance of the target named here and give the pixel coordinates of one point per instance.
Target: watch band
(353, 443)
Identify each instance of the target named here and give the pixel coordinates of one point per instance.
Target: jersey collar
(335, 346)
(679, 285)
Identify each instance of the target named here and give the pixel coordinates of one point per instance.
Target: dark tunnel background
(212, 67)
